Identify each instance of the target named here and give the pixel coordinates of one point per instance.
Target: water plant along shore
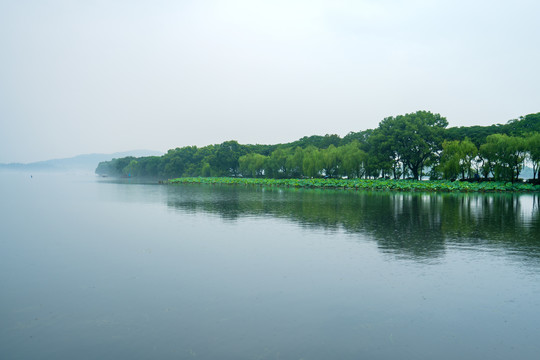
(365, 184)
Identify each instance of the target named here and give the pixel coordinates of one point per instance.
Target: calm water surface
(94, 269)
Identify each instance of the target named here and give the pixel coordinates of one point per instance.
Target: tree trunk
(414, 170)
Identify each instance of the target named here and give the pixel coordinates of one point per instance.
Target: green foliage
(400, 147)
(353, 160)
(132, 169)
(312, 163)
(505, 154)
(276, 166)
(477, 134)
(295, 162)
(457, 158)
(115, 167)
(366, 184)
(383, 155)
(320, 142)
(331, 161)
(414, 138)
(525, 125)
(532, 144)
(225, 160)
(252, 165)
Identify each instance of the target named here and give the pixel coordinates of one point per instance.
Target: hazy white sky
(105, 76)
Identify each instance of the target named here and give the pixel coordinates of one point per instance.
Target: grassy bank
(365, 184)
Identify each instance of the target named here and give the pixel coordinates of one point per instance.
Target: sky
(97, 76)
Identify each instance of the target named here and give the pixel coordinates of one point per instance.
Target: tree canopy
(413, 145)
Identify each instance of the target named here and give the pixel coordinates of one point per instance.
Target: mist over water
(93, 268)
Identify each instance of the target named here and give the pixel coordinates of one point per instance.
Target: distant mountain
(79, 163)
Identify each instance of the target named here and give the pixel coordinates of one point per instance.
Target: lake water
(96, 269)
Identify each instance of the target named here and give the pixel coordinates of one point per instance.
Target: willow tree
(311, 162)
(295, 162)
(353, 159)
(457, 157)
(276, 166)
(252, 165)
(331, 160)
(533, 148)
(506, 154)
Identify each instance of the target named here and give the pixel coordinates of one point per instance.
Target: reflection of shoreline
(413, 224)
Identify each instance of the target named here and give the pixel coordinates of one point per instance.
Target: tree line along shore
(411, 146)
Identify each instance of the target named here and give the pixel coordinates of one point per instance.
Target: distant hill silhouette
(79, 163)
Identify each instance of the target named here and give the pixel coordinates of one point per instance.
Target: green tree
(132, 169)
(331, 161)
(320, 142)
(177, 161)
(533, 149)
(252, 165)
(505, 155)
(487, 156)
(384, 157)
(525, 125)
(450, 160)
(353, 158)
(276, 166)
(294, 162)
(312, 164)
(457, 158)
(414, 137)
(225, 160)
(149, 166)
(206, 169)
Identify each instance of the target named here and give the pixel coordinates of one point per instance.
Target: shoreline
(365, 184)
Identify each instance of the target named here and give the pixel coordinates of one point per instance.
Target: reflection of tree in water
(405, 223)
(411, 224)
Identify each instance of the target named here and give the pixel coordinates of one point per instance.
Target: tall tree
(384, 157)
(506, 155)
(276, 166)
(331, 161)
(414, 137)
(312, 163)
(352, 159)
(294, 162)
(225, 161)
(457, 158)
(533, 148)
(252, 165)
